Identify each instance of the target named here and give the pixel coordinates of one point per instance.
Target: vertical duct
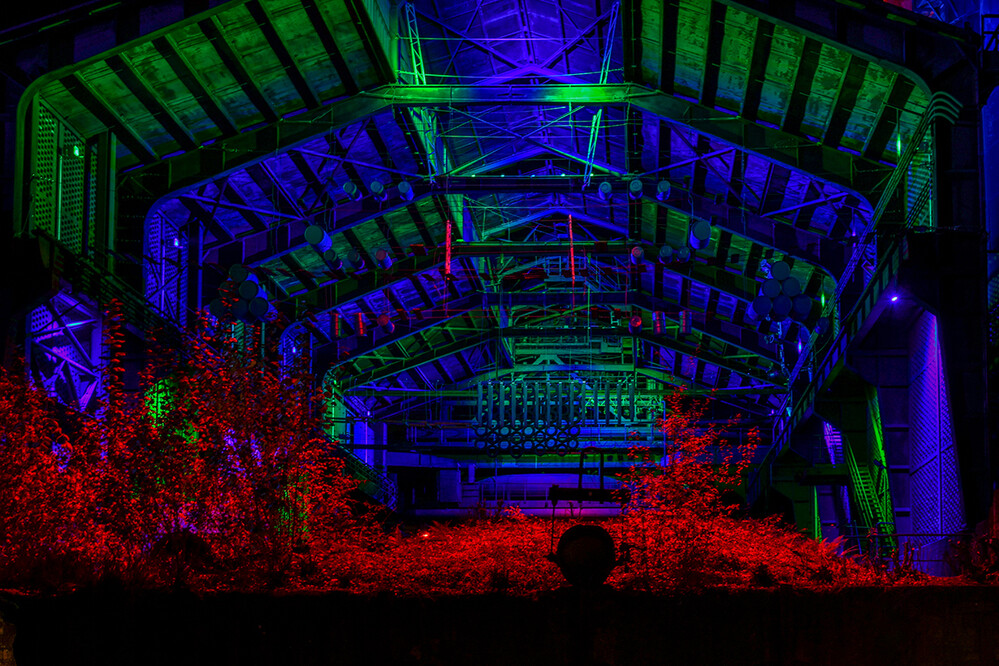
(572, 402)
(560, 405)
(548, 402)
(513, 402)
(537, 402)
(502, 403)
(607, 404)
(478, 403)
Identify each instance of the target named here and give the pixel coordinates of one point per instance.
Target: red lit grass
(229, 488)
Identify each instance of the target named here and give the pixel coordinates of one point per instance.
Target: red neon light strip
(447, 250)
(572, 254)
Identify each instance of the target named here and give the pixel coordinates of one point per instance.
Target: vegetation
(214, 476)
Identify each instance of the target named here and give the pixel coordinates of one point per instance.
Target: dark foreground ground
(916, 625)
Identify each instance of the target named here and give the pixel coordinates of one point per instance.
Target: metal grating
(60, 201)
(44, 173)
(72, 197)
(92, 203)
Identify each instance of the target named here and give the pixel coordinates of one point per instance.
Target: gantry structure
(505, 231)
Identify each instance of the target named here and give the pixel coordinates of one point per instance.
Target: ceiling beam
(85, 95)
(166, 50)
(758, 70)
(318, 22)
(877, 140)
(151, 102)
(716, 40)
(260, 15)
(361, 21)
(384, 372)
(195, 167)
(929, 52)
(232, 62)
(739, 286)
(657, 375)
(374, 341)
(846, 100)
(808, 65)
(802, 244)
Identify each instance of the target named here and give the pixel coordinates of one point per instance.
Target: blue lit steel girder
(64, 348)
(738, 221)
(598, 116)
(635, 298)
(186, 171)
(537, 143)
(570, 44)
(370, 344)
(424, 118)
(942, 107)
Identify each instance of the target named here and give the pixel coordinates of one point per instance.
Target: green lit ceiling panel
(217, 74)
(736, 56)
(121, 103)
(804, 86)
(829, 79)
(870, 102)
(785, 57)
(653, 45)
(170, 91)
(59, 99)
(219, 80)
(298, 35)
(258, 57)
(691, 46)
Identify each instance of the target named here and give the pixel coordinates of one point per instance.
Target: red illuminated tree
(215, 466)
(674, 501)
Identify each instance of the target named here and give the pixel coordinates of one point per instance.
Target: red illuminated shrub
(214, 474)
(48, 530)
(223, 473)
(677, 533)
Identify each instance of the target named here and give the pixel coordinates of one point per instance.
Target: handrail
(878, 461)
(105, 286)
(376, 484)
(942, 106)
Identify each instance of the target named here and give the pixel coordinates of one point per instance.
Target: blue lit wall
(990, 141)
(990, 150)
(937, 506)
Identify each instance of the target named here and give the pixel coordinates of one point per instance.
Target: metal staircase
(373, 483)
(869, 479)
